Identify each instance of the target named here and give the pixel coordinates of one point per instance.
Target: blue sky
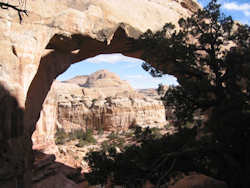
(130, 68)
(238, 9)
(127, 68)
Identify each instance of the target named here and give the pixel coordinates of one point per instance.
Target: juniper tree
(209, 54)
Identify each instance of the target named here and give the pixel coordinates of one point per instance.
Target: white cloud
(112, 59)
(147, 81)
(235, 6)
(245, 7)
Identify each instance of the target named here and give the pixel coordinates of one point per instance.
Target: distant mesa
(101, 83)
(104, 79)
(79, 80)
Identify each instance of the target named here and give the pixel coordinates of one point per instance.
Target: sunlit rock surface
(54, 35)
(102, 101)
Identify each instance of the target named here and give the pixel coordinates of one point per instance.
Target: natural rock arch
(56, 35)
(62, 53)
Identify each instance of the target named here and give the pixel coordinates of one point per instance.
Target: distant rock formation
(53, 36)
(108, 83)
(101, 101)
(79, 80)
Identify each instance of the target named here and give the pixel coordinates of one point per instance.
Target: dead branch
(20, 12)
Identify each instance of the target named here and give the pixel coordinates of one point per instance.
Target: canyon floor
(90, 113)
(72, 152)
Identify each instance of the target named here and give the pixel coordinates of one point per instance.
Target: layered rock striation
(54, 35)
(100, 101)
(110, 113)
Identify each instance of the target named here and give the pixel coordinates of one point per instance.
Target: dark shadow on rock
(20, 167)
(49, 173)
(12, 142)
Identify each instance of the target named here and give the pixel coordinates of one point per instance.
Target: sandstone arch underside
(54, 35)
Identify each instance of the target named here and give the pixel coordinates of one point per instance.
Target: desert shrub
(91, 140)
(60, 136)
(82, 143)
(113, 135)
(86, 138)
(118, 142)
(100, 131)
(105, 146)
(129, 134)
(138, 163)
(212, 79)
(156, 132)
(141, 134)
(76, 134)
(89, 136)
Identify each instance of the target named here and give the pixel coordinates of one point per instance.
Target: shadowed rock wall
(55, 35)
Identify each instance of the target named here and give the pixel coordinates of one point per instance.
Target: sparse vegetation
(113, 135)
(115, 140)
(142, 134)
(215, 81)
(84, 138)
(100, 131)
(60, 136)
(81, 143)
(76, 134)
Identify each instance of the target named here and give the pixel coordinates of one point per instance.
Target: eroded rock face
(57, 34)
(46, 125)
(111, 113)
(99, 101)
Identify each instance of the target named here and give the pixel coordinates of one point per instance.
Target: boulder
(199, 181)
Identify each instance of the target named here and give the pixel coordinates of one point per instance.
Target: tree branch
(19, 11)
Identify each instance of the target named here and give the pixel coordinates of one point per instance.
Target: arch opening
(75, 95)
(60, 53)
(115, 65)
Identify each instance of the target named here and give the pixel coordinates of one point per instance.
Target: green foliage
(85, 138)
(147, 133)
(160, 89)
(60, 136)
(115, 141)
(129, 134)
(89, 136)
(214, 81)
(147, 160)
(82, 143)
(156, 132)
(106, 146)
(100, 131)
(76, 134)
(113, 135)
